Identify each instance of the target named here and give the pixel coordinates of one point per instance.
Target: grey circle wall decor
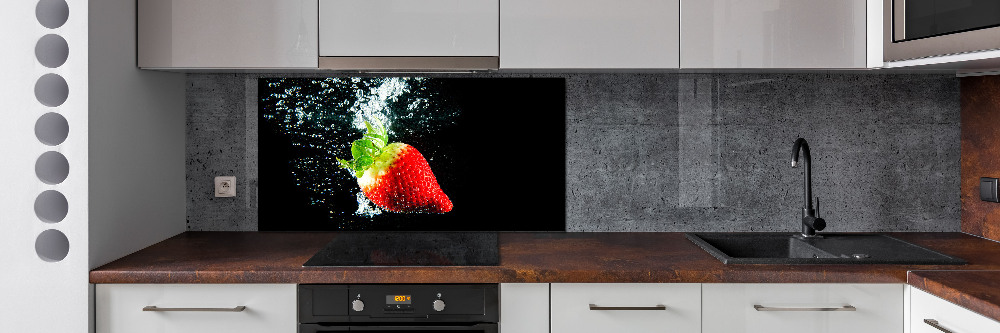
(51, 50)
(52, 13)
(51, 206)
(51, 90)
(51, 129)
(52, 245)
(52, 167)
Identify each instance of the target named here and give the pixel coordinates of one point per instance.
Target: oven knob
(439, 305)
(358, 305)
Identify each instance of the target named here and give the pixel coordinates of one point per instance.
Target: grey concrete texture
(682, 152)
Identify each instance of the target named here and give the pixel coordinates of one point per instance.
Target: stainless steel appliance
(927, 28)
(469, 308)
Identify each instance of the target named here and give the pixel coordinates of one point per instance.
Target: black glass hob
(409, 249)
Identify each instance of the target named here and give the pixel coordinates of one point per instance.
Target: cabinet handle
(234, 309)
(615, 308)
(935, 324)
(759, 307)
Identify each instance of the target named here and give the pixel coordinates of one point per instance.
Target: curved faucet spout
(810, 222)
(802, 145)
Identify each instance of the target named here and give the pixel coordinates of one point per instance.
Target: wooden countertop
(262, 257)
(978, 291)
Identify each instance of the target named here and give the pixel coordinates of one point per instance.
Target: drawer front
(269, 308)
(949, 316)
(572, 311)
(729, 308)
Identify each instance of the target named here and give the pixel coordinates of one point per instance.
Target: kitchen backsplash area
(679, 152)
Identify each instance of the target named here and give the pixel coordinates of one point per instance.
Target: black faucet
(810, 222)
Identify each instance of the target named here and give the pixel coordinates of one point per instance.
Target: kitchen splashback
(680, 152)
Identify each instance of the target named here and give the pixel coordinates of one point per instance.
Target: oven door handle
(413, 327)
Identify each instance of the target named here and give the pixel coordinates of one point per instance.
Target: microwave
(916, 29)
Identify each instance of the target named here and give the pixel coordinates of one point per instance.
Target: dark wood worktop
(978, 291)
(262, 257)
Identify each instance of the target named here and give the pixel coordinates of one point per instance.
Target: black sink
(787, 248)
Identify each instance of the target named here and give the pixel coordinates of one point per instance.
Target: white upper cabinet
(778, 33)
(409, 28)
(582, 34)
(227, 34)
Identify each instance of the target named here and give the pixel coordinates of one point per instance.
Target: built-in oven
(927, 28)
(466, 308)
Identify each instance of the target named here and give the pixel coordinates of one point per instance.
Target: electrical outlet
(225, 186)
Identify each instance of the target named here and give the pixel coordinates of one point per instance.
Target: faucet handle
(817, 206)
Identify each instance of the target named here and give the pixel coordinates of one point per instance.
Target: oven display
(397, 299)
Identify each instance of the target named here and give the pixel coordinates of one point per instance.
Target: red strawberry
(395, 177)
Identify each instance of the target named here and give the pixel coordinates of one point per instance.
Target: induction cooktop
(409, 249)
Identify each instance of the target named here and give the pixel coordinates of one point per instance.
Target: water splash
(366, 207)
(373, 105)
(322, 117)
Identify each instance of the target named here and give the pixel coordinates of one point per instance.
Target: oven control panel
(398, 303)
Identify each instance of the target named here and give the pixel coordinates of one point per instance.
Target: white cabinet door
(774, 34)
(227, 34)
(409, 28)
(524, 308)
(794, 308)
(589, 34)
(626, 307)
(270, 308)
(951, 317)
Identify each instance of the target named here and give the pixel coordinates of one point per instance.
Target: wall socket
(225, 186)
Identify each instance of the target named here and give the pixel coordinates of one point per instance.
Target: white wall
(36, 295)
(126, 135)
(137, 184)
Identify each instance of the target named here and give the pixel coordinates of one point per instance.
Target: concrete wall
(682, 152)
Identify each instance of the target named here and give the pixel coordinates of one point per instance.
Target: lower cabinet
(625, 307)
(570, 308)
(930, 314)
(802, 308)
(524, 308)
(196, 308)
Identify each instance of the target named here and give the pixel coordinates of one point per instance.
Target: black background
(502, 163)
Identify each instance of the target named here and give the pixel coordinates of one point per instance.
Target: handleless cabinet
(223, 34)
(930, 314)
(802, 308)
(777, 34)
(196, 308)
(409, 28)
(626, 307)
(524, 308)
(583, 34)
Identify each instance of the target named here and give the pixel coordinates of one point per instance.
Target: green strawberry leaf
(364, 150)
(377, 142)
(363, 147)
(361, 164)
(345, 164)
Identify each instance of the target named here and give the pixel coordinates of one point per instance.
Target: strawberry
(395, 176)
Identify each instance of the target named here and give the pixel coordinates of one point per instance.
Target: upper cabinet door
(589, 34)
(774, 34)
(227, 34)
(409, 28)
